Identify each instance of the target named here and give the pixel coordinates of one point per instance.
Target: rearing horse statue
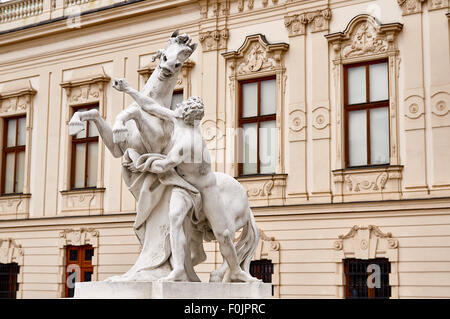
(136, 133)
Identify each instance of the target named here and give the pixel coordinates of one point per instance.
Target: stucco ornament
(180, 201)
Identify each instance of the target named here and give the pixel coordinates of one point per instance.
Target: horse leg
(76, 126)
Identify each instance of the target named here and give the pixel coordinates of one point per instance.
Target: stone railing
(20, 9)
(19, 13)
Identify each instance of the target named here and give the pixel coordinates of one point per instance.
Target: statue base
(171, 290)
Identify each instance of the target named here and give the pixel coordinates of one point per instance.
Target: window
(262, 269)
(8, 280)
(177, 98)
(257, 114)
(78, 266)
(356, 275)
(85, 155)
(13, 168)
(366, 101)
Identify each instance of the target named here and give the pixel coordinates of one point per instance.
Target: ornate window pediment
(86, 86)
(257, 55)
(364, 36)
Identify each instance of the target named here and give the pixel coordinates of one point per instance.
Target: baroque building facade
(334, 115)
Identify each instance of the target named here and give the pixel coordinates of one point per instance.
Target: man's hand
(158, 167)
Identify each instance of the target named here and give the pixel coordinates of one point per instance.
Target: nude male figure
(190, 156)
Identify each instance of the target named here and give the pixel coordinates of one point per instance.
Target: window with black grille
(357, 271)
(8, 280)
(262, 269)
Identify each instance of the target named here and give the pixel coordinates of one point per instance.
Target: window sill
(264, 189)
(14, 206)
(382, 181)
(83, 201)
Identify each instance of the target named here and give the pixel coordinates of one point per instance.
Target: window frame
(12, 149)
(84, 140)
(254, 119)
(367, 106)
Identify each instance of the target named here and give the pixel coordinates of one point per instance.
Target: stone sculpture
(179, 203)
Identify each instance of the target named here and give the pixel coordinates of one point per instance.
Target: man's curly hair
(192, 110)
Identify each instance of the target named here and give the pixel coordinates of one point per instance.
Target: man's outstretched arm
(145, 102)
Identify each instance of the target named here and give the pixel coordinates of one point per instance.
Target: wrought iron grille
(262, 269)
(356, 275)
(8, 280)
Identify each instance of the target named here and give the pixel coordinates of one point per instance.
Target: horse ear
(193, 46)
(175, 33)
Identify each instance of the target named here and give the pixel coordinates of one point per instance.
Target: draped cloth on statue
(153, 193)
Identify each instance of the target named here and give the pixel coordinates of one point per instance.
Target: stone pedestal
(171, 290)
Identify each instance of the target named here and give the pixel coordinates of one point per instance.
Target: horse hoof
(75, 127)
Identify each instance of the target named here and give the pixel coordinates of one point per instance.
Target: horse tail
(247, 243)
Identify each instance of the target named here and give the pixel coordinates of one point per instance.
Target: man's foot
(175, 275)
(242, 276)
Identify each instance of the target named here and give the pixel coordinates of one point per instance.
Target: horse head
(178, 49)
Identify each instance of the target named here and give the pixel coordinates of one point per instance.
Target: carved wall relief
(381, 182)
(366, 242)
(265, 190)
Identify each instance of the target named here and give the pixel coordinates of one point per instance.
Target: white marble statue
(179, 204)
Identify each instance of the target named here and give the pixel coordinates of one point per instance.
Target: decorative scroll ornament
(364, 242)
(262, 191)
(318, 21)
(366, 185)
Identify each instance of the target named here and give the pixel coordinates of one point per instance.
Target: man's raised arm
(145, 102)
